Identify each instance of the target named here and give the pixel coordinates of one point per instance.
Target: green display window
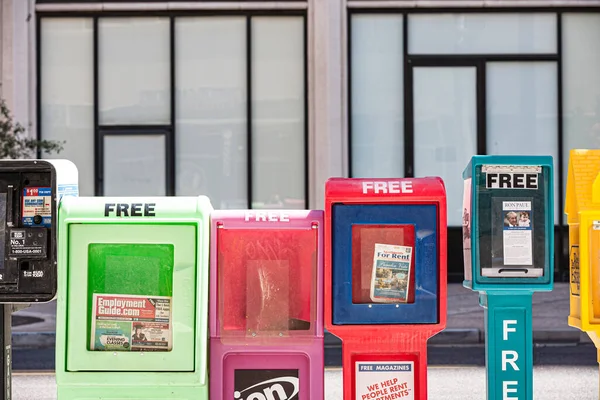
(139, 297)
(129, 296)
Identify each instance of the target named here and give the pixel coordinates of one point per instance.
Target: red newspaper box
(385, 280)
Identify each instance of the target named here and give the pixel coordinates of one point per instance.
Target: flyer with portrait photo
(518, 240)
(391, 273)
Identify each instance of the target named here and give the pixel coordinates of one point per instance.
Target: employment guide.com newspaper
(131, 323)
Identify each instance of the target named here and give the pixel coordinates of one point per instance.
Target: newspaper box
(385, 280)
(583, 216)
(132, 309)
(266, 309)
(508, 243)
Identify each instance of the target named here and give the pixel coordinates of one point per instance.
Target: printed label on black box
(266, 384)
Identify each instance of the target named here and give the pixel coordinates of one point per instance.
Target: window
(217, 109)
(492, 33)
(377, 120)
(67, 92)
(522, 100)
(581, 85)
(425, 97)
(445, 128)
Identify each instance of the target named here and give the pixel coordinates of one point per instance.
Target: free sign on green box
(132, 298)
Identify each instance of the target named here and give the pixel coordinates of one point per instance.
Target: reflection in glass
(133, 71)
(278, 126)
(521, 111)
(377, 96)
(211, 150)
(134, 165)
(445, 128)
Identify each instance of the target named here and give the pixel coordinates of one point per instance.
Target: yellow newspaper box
(583, 216)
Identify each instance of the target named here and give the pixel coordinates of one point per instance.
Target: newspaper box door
(515, 223)
(136, 277)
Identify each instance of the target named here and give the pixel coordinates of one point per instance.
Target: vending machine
(266, 308)
(385, 281)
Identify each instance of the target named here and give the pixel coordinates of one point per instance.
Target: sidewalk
(34, 327)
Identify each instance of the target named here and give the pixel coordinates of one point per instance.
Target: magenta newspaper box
(266, 305)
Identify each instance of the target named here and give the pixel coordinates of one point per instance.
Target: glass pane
(445, 130)
(506, 243)
(377, 96)
(211, 109)
(67, 92)
(581, 84)
(522, 111)
(134, 165)
(126, 313)
(133, 71)
(266, 282)
(278, 126)
(383, 264)
(490, 33)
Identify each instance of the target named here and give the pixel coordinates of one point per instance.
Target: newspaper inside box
(383, 264)
(266, 282)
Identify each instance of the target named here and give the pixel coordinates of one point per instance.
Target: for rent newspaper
(391, 273)
(131, 323)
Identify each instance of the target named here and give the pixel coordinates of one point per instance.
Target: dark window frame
(561, 229)
(171, 172)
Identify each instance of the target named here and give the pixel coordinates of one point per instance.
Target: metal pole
(5, 343)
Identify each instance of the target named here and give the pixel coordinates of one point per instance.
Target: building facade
(257, 103)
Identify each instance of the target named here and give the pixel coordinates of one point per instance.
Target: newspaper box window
(383, 264)
(126, 312)
(133, 320)
(266, 281)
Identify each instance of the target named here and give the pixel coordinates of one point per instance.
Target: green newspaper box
(132, 302)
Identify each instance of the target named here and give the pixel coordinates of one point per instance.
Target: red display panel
(391, 282)
(266, 281)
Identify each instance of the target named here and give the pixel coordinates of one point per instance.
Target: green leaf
(16, 144)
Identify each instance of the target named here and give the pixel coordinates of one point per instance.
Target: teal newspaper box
(508, 245)
(508, 223)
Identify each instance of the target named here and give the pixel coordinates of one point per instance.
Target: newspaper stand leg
(373, 368)
(5, 343)
(508, 345)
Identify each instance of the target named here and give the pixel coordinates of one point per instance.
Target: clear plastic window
(130, 289)
(383, 262)
(267, 281)
(511, 211)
